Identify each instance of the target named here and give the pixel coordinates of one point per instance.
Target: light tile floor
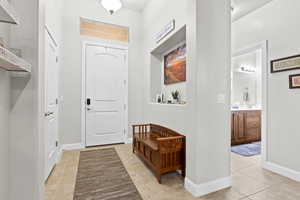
(250, 181)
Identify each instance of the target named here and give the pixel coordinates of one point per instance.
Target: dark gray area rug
(247, 150)
(102, 176)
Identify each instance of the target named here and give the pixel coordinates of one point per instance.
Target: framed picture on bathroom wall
(285, 64)
(294, 81)
(175, 66)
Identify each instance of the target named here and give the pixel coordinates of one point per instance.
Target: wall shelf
(7, 13)
(11, 62)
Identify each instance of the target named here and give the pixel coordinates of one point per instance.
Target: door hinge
(125, 107)
(56, 101)
(56, 143)
(125, 82)
(56, 59)
(124, 131)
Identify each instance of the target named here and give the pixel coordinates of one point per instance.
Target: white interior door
(51, 104)
(106, 93)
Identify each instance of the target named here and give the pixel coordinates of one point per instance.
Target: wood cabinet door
(253, 125)
(241, 128)
(238, 128)
(232, 128)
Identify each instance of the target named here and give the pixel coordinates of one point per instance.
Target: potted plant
(175, 95)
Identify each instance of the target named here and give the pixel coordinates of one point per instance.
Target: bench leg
(158, 177)
(133, 146)
(183, 173)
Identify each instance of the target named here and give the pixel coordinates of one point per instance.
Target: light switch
(221, 98)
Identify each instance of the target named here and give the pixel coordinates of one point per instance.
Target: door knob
(47, 114)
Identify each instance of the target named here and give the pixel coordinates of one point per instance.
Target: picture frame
(285, 64)
(175, 65)
(294, 81)
(167, 29)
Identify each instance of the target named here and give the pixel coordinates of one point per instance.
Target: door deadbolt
(88, 101)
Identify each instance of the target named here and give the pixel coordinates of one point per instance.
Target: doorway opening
(249, 104)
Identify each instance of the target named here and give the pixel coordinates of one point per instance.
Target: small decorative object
(175, 95)
(163, 98)
(285, 64)
(246, 96)
(183, 102)
(165, 31)
(158, 98)
(175, 66)
(295, 81)
(170, 99)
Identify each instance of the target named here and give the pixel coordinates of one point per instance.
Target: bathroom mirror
(246, 81)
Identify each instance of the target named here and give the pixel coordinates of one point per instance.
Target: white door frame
(265, 71)
(83, 95)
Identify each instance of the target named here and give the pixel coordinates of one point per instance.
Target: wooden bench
(161, 148)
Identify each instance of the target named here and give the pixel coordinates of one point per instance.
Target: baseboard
(284, 171)
(73, 146)
(128, 141)
(199, 190)
(59, 156)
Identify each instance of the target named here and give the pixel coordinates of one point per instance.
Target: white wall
(71, 61)
(173, 116)
(4, 120)
(4, 132)
(208, 75)
(282, 31)
(213, 28)
(177, 117)
(24, 151)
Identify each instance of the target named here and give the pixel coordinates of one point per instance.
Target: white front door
(51, 104)
(106, 93)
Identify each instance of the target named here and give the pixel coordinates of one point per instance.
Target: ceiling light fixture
(111, 6)
(247, 69)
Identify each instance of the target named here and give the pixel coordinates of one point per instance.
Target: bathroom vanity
(245, 126)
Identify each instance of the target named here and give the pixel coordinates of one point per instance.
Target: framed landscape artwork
(175, 66)
(285, 64)
(295, 81)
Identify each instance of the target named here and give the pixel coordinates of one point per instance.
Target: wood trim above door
(103, 30)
